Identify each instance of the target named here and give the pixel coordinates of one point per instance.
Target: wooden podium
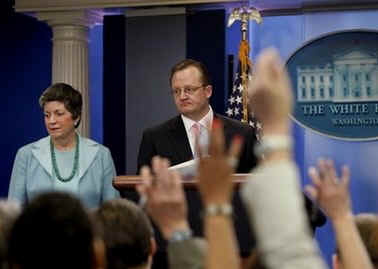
(123, 183)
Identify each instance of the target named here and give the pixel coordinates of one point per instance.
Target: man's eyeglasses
(188, 91)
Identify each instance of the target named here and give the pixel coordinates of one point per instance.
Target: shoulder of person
(43, 142)
(26, 150)
(234, 123)
(91, 143)
(164, 126)
(102, 150)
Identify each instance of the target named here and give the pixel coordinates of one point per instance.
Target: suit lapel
(88, 151)
(41, 151)
(180, 141)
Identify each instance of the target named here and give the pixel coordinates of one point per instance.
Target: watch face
(270, 144)
(180, 235)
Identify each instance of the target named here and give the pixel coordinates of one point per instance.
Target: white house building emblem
(335, 84)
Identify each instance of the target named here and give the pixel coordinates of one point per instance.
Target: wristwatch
(180, 235)
(271, 143)
(218, 210)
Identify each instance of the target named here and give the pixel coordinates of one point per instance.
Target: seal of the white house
(335, 85)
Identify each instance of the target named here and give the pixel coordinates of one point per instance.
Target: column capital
(70, 30)
(84, 18)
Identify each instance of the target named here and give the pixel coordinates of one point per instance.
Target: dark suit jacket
(170, 140)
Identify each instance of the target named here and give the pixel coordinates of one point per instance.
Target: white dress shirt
(205, 126)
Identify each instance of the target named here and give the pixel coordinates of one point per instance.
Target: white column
(70, 53)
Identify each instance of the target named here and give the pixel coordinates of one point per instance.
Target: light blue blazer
(32, 172)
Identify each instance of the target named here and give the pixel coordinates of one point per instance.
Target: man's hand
(164, 196)
(330, 192)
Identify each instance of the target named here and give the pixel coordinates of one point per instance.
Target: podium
(126, 185)
(123, 183)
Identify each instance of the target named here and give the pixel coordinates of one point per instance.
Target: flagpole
(244, 14)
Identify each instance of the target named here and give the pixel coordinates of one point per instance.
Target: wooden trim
(125, 182)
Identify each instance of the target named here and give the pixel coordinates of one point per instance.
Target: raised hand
(270, 94)
(330, 191)
(214, 172)
(164, 196)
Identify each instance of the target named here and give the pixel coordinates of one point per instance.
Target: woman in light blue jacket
(64, 160)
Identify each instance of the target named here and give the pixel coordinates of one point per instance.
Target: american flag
(234, 108)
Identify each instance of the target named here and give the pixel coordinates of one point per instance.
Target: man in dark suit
(174, 139)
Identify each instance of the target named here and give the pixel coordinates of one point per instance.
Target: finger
(144, 188)
(331, 171)
(234, 151)
(216, 145)
(156, 163)
(282, 75)
(163, 173)
(345, 175)
(146, 176)
(314, 175)
(266, 70)
(142, 191)
(322, 170)
(163, 165)
(312, 192)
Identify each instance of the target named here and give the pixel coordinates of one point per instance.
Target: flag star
(231, 100)
(229, 112)
(252, 123)
(239, 100)
(234, 89)
(240, 88)
(258, 125)
(236, 111)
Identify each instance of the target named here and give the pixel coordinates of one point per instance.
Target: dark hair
(9, 211)
(205, 76)
(127, 233)
(65, 94)
(53, 231)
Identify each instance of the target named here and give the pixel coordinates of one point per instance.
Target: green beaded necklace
(55, 165)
